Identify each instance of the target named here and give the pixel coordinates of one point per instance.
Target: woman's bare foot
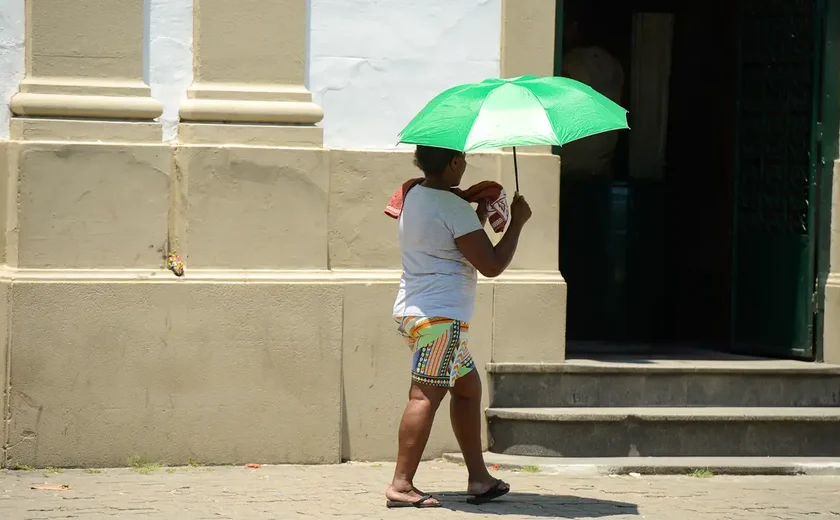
(409, 495)
(481, 485)
(486, 489)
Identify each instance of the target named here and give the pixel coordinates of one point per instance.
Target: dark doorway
(687, 238)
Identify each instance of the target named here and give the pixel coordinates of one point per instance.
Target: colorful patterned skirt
(440, 349)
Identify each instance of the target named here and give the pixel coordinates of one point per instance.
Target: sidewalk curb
(594, 467)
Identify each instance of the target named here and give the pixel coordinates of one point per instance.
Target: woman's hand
(520, 211)
(490, 260)
(481, 212)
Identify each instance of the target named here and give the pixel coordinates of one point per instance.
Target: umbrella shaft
(515, 169)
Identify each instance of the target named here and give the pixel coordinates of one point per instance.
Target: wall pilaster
(84, 61)
(527, 38)
(249, 69)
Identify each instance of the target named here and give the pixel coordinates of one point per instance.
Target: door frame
(829, 131)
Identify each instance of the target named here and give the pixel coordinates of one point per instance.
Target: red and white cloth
(489, 193)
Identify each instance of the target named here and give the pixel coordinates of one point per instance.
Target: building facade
(277, 343)
(256, 140)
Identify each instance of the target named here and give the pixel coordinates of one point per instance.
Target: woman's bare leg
(465, 413)
(415, 427)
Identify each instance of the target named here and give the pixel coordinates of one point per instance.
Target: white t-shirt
(437, 280)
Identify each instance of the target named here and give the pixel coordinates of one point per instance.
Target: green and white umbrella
(523, 111)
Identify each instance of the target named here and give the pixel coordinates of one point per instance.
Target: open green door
(778, 153)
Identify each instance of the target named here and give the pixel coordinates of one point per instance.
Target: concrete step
(650, 382)
(665, 432)
(696, 466)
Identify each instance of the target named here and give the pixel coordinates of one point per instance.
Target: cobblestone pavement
(355, 491)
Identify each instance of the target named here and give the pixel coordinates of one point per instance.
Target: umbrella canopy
(524, 111)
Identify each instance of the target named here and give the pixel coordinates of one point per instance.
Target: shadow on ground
(539, 506)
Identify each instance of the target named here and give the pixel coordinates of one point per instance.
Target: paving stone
(355, 491)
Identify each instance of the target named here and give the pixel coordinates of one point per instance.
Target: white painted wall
(12, 32)
(168, 42)
(371, 64)
(374, 64)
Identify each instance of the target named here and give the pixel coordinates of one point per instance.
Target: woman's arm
(479, 251)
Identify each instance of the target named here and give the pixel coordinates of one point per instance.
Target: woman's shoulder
(445, 199)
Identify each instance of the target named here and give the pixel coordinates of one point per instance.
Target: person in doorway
(591, 64)
(443, 243)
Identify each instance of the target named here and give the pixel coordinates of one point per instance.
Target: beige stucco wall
(4, 298)
(255, 207)
(8, 211)
(167, 371)
(527, 37)
(831, 323)
(277, 345)
(92, 205)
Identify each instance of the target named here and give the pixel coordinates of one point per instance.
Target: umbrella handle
(515, 169)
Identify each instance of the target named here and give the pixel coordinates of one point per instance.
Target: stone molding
(10, 274)
(245, 111)
(527, 38)
(85, 98)
(249, 68)
(84, 59)
(85, 106)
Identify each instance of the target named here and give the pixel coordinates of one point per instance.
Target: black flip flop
(421, 503)
(500, 488)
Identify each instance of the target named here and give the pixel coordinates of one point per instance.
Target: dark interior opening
(647, 255)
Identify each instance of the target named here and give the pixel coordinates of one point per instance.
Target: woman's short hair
(432, 160)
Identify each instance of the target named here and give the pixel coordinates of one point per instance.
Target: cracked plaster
(370, 87)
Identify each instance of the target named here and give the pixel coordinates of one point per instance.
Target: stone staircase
(626, 407)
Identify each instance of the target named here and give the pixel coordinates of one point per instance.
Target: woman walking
(443, 243)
